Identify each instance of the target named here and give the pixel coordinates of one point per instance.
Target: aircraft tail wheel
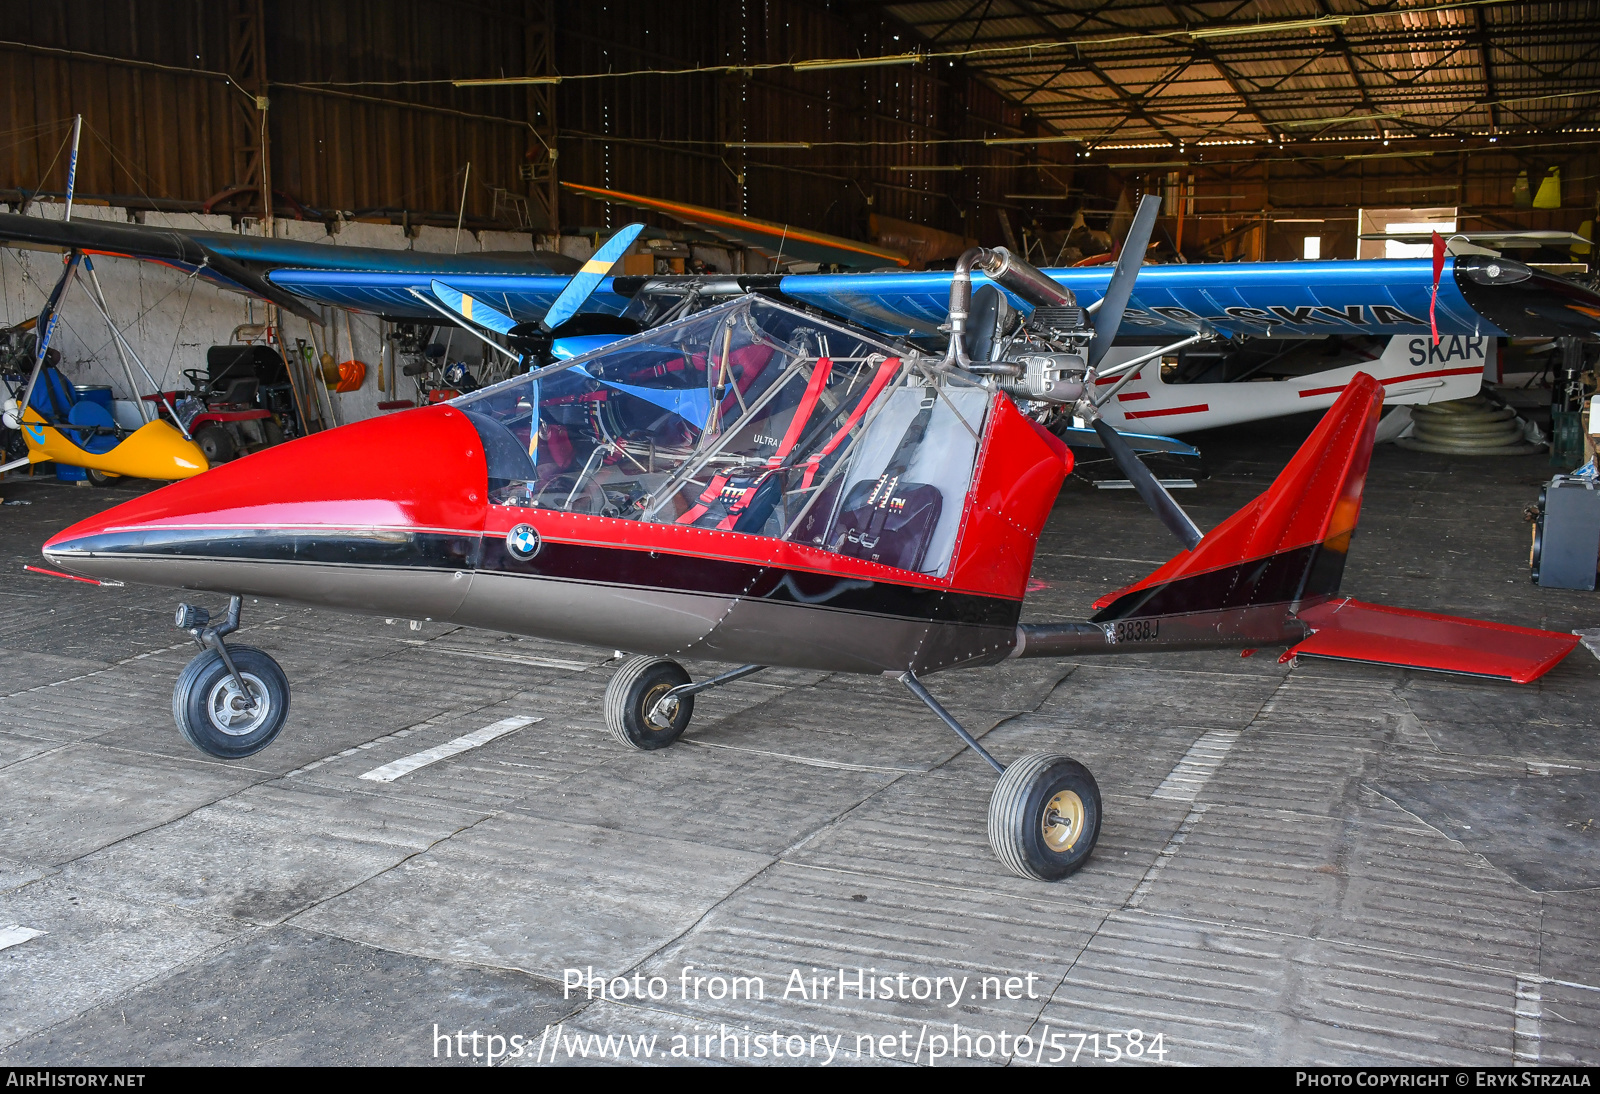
(1044, 816)
(216, 717)
(631, 698)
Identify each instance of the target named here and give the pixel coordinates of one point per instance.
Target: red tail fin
(1269, 574)
(1285, 547)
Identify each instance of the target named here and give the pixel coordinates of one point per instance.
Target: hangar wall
(170, 318)
(363, 120)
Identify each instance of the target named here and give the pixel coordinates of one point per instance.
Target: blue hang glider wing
(693, 405)
(523, 296)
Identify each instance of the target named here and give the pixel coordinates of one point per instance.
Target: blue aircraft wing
(1478, 294)
(525, 297)
(1241, 299)
(1293, 299)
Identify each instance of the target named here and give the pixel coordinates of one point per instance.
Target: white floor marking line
(1525, 1035)
(515, 659)
(1167, 854)
(97, 672)
(15, 935)
(1185, 781)
(809, 761)
(388, 773)
(353, 749)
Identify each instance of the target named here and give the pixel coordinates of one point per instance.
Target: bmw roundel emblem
(523, 542)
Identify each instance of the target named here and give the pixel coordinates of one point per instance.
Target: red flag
(1438, 272)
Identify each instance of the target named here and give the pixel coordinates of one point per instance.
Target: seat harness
(736, 494)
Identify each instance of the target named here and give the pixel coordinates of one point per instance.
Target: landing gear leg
(1044, 814)
(650, 700)
(229, 702)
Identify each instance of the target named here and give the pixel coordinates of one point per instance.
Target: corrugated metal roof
(1186, 72)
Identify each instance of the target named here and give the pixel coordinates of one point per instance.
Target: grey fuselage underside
(607, 615)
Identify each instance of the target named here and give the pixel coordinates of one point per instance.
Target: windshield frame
(889, 345)
(751, 417)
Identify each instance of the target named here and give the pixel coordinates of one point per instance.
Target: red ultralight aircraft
(765, 484)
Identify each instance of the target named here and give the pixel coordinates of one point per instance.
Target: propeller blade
(1109, 315)
(583, 284)
(472, 309)
(1154, 494)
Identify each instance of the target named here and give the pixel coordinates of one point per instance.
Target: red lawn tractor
(240, 402)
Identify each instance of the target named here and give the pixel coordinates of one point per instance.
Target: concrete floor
(1334, 863)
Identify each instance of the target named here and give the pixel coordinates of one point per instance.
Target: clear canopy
(751, 417)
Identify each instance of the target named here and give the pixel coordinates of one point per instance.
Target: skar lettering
(1454, 348)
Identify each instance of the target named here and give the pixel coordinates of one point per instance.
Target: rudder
(1286, 548)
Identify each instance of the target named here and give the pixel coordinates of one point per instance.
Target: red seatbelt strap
(710, 494)
(735, 503)
(802, 413)
(886, 372)
(735, 506)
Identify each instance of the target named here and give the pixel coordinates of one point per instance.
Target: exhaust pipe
(1009, 272)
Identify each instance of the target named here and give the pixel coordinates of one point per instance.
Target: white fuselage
(1411, 370)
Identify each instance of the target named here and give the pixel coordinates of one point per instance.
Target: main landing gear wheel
(1044, 816)
(631, 698)
(217, 717)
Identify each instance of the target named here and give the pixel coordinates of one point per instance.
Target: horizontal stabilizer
(1349, 630)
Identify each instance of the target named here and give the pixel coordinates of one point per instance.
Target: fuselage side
(390, 517)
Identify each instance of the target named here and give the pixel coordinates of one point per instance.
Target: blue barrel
(95, 393)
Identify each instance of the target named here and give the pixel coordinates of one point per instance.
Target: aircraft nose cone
(365, 494)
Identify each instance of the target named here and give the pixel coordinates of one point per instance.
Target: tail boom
(1269, 576)
(1230, 628)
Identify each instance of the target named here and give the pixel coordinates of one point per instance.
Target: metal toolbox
(1566, 534)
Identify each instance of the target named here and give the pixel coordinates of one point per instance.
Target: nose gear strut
(197, 621)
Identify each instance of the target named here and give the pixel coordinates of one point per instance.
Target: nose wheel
(230, 701)
(635, 712)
